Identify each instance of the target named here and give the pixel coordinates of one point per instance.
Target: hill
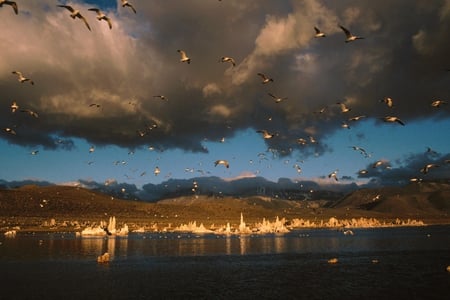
(31, 206)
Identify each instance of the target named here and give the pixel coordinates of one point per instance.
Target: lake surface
(382, 263)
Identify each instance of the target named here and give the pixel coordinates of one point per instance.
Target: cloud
(123, 68)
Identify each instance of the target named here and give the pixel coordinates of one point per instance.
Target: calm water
(411, 264)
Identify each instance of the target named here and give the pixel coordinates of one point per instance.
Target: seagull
(266, 134)
(228, 59)
(321, 111)
(91, 149)
(319, 33)
(222, 162)
(345, 125)
(9, 130)
(14, 107)
(431, 151)
(22, 78)
(357, 118)
(333, 175)
(30, 112)
(277, 99)
(344, 108)
(184, 57)
(102, 16)
(76, 14)
(350, 37)
(126, 3)
(363, 172)
(156, 171)
(427, 167)
(35, 152)
(94, 104)
(438, 103)
(302, 141)
(361, 150)
(393, 119)
(162, 97)
(377, 163)
(388, 101)
(11, 3)
(265, 79)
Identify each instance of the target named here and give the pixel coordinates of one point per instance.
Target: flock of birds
(265, 79)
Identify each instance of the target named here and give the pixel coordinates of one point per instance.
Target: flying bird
(438, 103)
(30, 112)
(76, 14)
(184, 57)
(9, 130)
(389, 102)
(377, 163)
(277, 99)
(125, 3)
(156, 171)
(319, 33)
(427, 168)
(102, 16)
(162, 97)
(392, 119)
(222, 162)
(361, 150)
(91, 149)
(11, 3)
(14, 107)
(265, 79)
(357, 118)
(333, 175)
(228, 59)
(94, 104)
(35, 152)
(350, 37)
(22, 78)
(344, 108)
(266, 134)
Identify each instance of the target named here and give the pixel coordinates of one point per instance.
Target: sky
(98, 118)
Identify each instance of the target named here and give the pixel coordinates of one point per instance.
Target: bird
(350, 37)
(277, 99)
(344, 108)
(266, 134)
(438, 103)
(333, 175)
(228, 59)
(22, 78)
(162, 97)
(431, 151)
(156, 171)
(76, 14)
(392, 119)
(94, 104)
(102, 16)
(357, 118)
(265, 79)
(222, 162)
(11, 3)
(389, 102)
(91, 149)
(427, 168)
(34, 152)
(302, 141)
(377, 163)
(363, 172)
(30, 112)
(9, 130)
(345, 125)
(319, 33)
(14, 107)
(361, 150)
(320, 111)
(184, 57)
(125, 3)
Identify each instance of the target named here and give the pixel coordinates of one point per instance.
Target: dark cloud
(404, 56)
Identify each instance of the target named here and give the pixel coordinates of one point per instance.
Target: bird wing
(95, 9)
(183, 54)
(317, 29)
(70, 8)
(263, 76)
(85, 22)
(14, 6)
(346, 31)
(108, 20)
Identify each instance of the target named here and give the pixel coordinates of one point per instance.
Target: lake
(376, 263)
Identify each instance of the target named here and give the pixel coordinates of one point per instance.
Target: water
(384, 263)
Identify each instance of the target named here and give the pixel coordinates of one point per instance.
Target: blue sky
(122, 69)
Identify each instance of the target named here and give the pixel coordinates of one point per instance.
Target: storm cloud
(100, 85)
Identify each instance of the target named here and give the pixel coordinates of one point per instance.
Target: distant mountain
(424, 198)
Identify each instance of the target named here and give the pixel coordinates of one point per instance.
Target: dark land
(32, 207)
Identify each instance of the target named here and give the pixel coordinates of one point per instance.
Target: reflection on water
(411, 265)
(138, 245)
